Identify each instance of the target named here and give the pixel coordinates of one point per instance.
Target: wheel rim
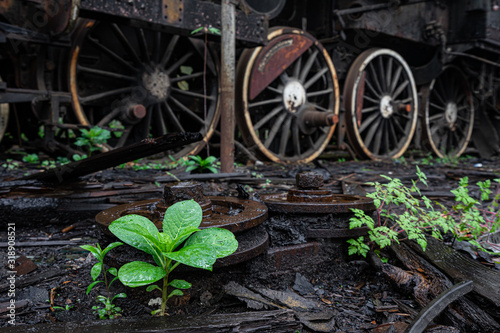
(143, 83)
(288, 94)
(449, 113)
(381, 103)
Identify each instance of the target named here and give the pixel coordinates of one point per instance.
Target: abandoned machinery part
(243, 217)
(133, 68)
(316, 213)
(287, 96)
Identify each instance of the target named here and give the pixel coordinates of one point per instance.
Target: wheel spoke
(274, 130)
(374, 91)
(266, 102)
(315, 78)
(367, 122)
(395, 79)
(126, 44)
(371, 109)
(159, 121)
(368, 98)
(268, 117)
(171, 115)
(193, 94)
(125, 134)
(109, 93)
(373, 77)
(382, 74)
(435, 117)
(169, 51)
(278, 90)
(434, 105)
(320, 92)
(143, 45)
(308, 66)
(187, 111)
(296, 67)
(110, 116)
(178, 63)
(295, 138)
(401, 88)
(112, 55)
(285, 134)
(369, 137)
(388, 73)
(105, 73)
(186, 77)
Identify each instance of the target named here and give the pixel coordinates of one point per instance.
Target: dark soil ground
(359, 296)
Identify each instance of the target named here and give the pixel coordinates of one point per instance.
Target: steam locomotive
(373, 77)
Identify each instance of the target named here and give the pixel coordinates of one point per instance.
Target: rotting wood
(461, 267)
(278, 321)
(426, 283)
(21, 283)
(116, 157)
(437, 305)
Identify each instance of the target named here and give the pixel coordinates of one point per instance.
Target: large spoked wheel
(288, 97)
(449, 113)
(381, 104)
(142, 83)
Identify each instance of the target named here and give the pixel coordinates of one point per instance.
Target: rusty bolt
(183, 191)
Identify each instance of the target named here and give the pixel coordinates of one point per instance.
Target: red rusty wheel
(381, 104)
(288, 97)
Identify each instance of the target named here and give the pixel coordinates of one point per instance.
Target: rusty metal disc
(229, 213)
(339, 203)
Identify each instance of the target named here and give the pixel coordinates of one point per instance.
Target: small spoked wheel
(141, 83)
(381, 103)
(448, 113)
(288, 97)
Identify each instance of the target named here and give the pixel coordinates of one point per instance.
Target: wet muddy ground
(355, 296)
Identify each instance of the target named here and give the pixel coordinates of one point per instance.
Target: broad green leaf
(96, 270)
(112, 271)
(180, 216)
(89, 288)
(153, 287)
(120, 295)
(137, 231)
(138, 273)
(110, 247)
(197, 255)
(221, 240)
(175, 292)
(95, 251)
(180, 284)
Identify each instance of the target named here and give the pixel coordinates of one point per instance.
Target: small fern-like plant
(401, 213)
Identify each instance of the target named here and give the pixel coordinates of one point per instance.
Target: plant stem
(164, 295)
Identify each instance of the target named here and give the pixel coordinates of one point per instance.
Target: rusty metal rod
(227, 89)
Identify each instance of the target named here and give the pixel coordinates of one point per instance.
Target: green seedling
(93, 139)
(181, 242)
(198, 164)
(402, 213)
(31, 158)
(109, 310)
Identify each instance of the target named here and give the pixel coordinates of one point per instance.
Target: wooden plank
(278, 321)
(461, 267)
(116, 157)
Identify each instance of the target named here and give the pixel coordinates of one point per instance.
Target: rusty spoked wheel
(141, 83)
(448, 113)
(381, 104)
(288, 97)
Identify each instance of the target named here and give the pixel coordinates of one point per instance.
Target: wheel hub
(451, 114)
(386, 107)
(157, 84)
(294, 96)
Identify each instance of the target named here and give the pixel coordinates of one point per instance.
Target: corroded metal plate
(339, 203)
(229, 213)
